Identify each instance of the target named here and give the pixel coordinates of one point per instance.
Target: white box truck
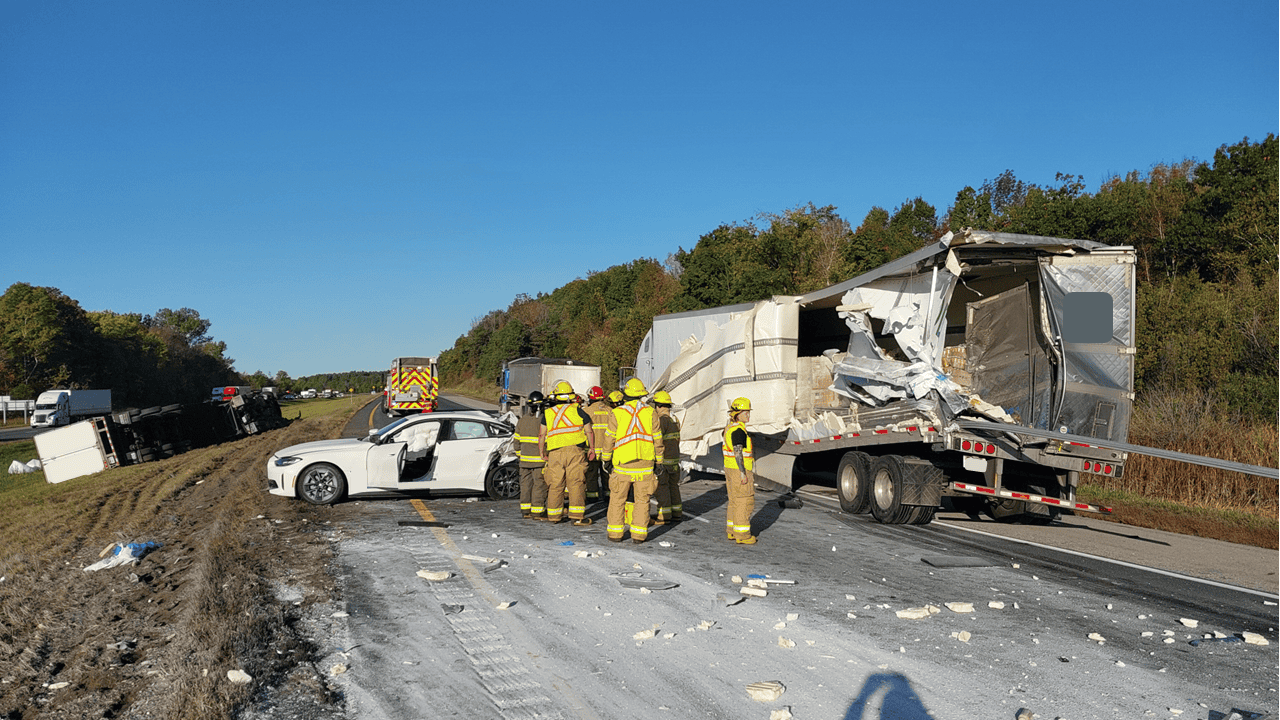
(523, 376)
(55, 408)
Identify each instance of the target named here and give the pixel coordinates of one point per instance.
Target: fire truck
(413, 386)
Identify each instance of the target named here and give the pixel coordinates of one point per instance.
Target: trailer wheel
(886, 491)
(852, 482)
(921, 515)
(322, 484)
(502, 482)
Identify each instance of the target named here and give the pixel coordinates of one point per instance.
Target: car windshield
(379, 433)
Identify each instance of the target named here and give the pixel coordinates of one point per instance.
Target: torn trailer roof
(1023, 330)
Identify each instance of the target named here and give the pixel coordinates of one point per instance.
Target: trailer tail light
(991, 449)
(1107, 470)
(966, 445)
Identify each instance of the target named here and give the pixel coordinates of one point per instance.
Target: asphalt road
(546, 628)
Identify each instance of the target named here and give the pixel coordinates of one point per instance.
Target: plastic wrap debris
(20, 468)
(124, 554)
(637, 581)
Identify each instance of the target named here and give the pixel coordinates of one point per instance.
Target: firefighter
(565, 444)
(615, 398)
(668, 473)
(599, 410)
(533, 489)
(739, 474)
(632, 446)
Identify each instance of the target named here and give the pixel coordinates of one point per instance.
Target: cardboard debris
(918, 613)
(960, 607)
(1254, 638)
(1189, 622)
(434, 575)
(995, 605)
(766, 691)
(753, 592)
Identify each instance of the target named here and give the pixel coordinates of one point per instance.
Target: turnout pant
(566, 467)
(643, 487)
(533, 491)
(668, 492)
(742, 502)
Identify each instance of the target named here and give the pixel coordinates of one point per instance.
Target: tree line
(1204, 232)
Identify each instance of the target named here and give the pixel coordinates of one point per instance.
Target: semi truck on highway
(524, 375)
(55, 408)
(990, 368)
(413, 386)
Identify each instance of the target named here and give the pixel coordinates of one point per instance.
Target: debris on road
(239, 677)
(1189, 622)
(337, 669)
(434, 576)
(995, 605)
(753, 591)
(766, 691)
(962, 636)
(723, 600)
(451, 609)
(645, 634)
(506, 605)
(918, 613)
(960, 607)
(783, 714)
(1254, 638)
(1097, 638)
(785, 643)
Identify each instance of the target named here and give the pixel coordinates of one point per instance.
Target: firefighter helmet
(563, 390)
(595, 393)
(739, 405)
(536, 399)
(662, 397)
(578, 399)
(615, 397)
(634, 388)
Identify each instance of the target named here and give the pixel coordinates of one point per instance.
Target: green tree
(46, 339)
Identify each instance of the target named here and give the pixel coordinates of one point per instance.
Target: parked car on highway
(466, 451)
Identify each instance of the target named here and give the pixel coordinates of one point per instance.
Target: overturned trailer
(989, 367)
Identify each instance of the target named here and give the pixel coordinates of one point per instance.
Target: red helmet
(596, 393)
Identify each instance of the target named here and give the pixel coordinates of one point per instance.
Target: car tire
(886, 490)
(321, 484)
(852, 477)
(502, 482)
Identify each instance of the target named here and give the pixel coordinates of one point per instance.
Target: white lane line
(1121, 563)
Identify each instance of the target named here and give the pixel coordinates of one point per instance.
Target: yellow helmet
(739, 405)
(615, 397)
(563, 390)
(662, 397)
(634, 388)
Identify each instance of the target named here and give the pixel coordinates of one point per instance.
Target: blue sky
(334, 184)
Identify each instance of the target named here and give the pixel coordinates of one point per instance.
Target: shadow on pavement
(898, 702)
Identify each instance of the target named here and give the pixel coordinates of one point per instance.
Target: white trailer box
(75, 450)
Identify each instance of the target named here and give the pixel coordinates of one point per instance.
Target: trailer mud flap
(923, 484)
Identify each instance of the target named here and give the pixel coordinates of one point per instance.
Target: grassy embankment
(200, 606)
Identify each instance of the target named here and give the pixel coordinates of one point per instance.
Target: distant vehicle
(272, 391)
(413, 386)
(308, 393)
(223, 393)
(55, 408)
(448, 452)
(523, 376)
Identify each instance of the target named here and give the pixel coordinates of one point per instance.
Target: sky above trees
(331, 186)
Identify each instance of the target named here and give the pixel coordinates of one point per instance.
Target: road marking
(372, 410)
(499, 667)
(1122, 563)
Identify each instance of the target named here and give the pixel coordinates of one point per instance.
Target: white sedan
(447, 452)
